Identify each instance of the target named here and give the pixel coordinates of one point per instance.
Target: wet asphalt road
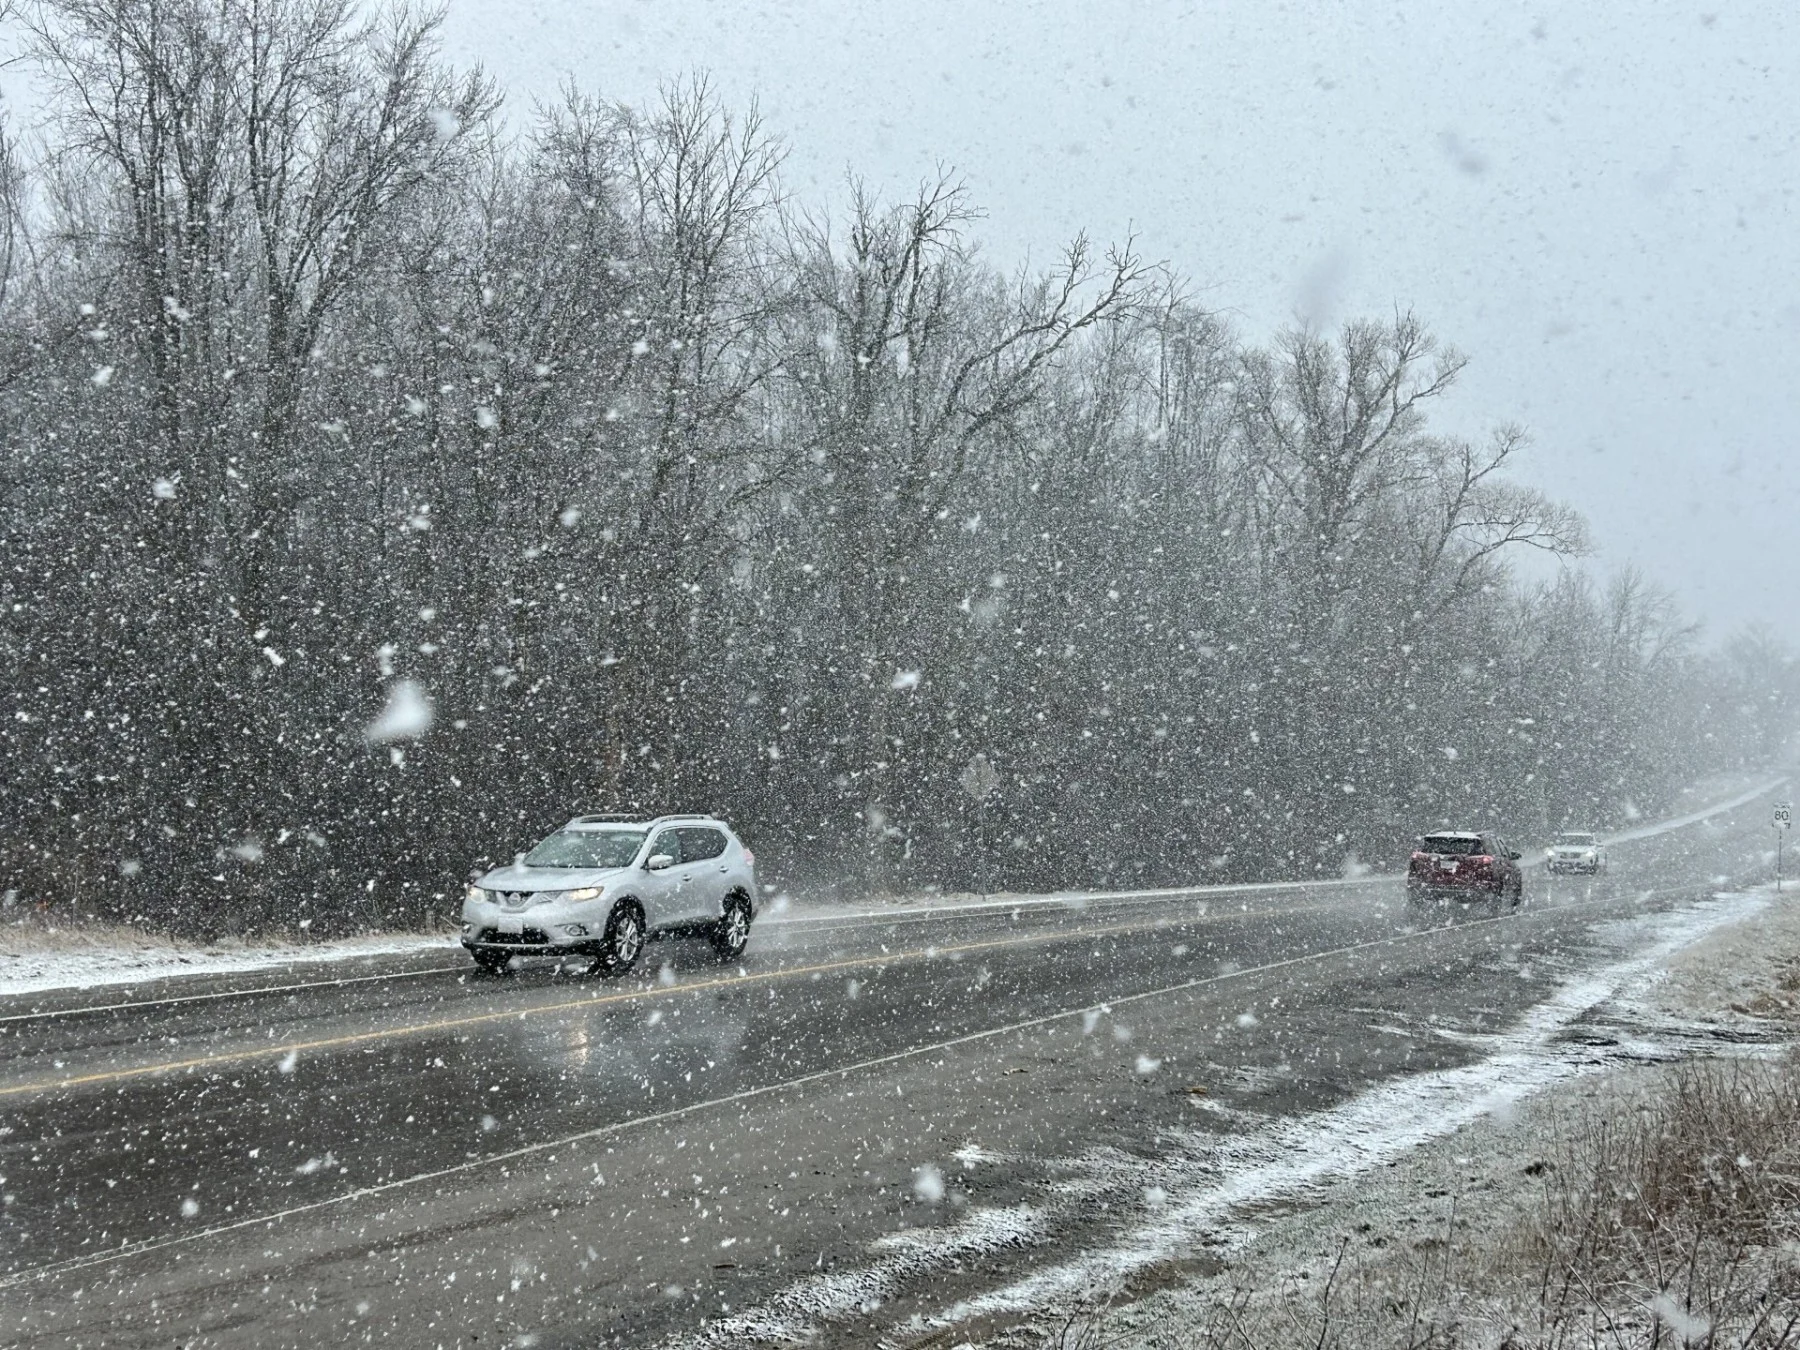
(445, 1159)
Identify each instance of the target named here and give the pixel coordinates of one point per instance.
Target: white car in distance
(599, 887)
(1576, 851)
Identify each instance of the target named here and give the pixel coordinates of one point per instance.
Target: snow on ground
(1735, 981)
(34, 958)
(1742, 976)
(1204, 1193)
(1694, 818)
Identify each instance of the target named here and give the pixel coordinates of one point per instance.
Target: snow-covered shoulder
(36, 959)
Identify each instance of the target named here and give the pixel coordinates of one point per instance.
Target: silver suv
(1576, 851)
(601, 885)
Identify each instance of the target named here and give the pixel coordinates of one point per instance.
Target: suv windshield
(1455, 844)
(1582, 839)
(587, 848)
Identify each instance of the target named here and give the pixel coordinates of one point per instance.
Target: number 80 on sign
(1784, 815)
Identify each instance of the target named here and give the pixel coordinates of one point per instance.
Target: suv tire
(732, 930)
(492, 962)
(623, 941)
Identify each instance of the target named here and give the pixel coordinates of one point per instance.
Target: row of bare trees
(667, 491)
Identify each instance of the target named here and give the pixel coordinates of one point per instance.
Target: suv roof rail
(626, 818)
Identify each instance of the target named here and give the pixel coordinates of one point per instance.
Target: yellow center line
(633, 996)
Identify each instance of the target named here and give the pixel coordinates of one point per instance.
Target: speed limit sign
(1784, 821)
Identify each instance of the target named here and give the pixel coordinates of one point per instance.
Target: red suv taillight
(749, 857)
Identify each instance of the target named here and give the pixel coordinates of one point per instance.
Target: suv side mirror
(659, 861)
(1514, 854)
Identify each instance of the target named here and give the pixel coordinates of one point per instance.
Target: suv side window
(669, 842)
(698, 843)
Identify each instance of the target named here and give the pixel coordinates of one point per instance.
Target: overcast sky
(1597, 202)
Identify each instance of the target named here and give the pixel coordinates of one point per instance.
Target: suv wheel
(623, 941)
(732, 931)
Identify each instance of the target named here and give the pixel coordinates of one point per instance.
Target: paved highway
(408, 1153)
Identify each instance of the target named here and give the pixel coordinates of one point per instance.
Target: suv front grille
(529, 937)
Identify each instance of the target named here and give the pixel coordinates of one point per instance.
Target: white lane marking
(1065, 899)
(748, 1094)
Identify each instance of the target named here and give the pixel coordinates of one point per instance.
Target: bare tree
(1337, 429)
(701, 183)
(923, 362)
(669, 494)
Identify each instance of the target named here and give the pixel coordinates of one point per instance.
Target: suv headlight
(585, 893)
(474, 893)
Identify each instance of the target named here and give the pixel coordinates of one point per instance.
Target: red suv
(1464, 866)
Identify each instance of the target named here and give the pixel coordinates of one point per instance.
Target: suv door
(703, 853)
(661, 891)
(1507, 869)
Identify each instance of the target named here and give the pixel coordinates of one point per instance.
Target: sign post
(979, 780)
(1784, 821)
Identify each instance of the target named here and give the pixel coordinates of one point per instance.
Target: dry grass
(1669, 1219)
(1674, 1223)
(36, 930)
(1781, 1002)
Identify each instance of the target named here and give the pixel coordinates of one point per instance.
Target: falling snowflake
(406, 717)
